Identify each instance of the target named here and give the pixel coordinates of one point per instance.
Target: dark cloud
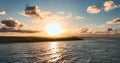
(114, 21)
(32, 12)
(37, 15)
(11, 25)
(9, 22)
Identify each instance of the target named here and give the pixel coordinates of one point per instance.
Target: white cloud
(93, 9)
(109, 5)
(79, 17)
(114, 21)
(3, 13)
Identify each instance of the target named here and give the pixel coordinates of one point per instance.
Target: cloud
(11, 25)
(10, 22)
(37, 15)
(109, 5)
(114, 21)
(5, 29)
(79, 17)
(85, 30)
(93, 9)
(3, 13)
(69, 15)
(60, 12)
(118, 5)
(32, 12)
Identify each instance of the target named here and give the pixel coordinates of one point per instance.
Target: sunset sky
(78, 15)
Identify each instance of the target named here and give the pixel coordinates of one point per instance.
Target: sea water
(89, 50)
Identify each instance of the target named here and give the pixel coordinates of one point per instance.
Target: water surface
(90, 50)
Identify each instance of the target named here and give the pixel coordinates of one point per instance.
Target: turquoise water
(90, 50)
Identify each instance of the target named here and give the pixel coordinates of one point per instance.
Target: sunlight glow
(54, 47)
(54, 29)
(54, 50)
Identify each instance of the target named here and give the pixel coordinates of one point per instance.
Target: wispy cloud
(79, 17)
(114, 21)
(61, 12)
(3, 13)
(85, 30)
(93, 9)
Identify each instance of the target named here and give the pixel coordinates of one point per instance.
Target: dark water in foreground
(90, 50)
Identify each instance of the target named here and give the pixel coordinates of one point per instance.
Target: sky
(80, 15)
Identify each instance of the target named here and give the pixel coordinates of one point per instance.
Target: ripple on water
(86, 51)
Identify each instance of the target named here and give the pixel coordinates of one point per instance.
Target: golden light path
(54, 50)
(53, 46)
(54, 29)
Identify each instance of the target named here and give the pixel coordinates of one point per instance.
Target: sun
(54, 29)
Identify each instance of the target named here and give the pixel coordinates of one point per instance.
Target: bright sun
(54, 29)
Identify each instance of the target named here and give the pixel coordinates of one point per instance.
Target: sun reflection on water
(54, 47)
(54, 52)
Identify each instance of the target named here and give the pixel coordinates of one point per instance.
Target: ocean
(89, 50)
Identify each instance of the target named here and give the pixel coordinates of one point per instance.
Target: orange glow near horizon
(54, 29)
